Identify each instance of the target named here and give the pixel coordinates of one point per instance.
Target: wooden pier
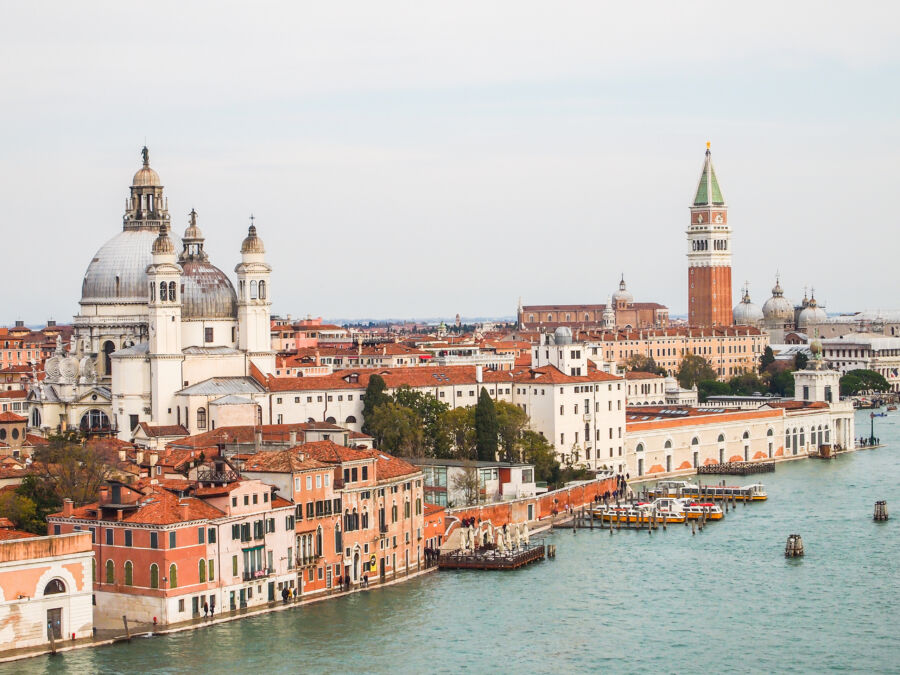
(736, 468)
(491, 560)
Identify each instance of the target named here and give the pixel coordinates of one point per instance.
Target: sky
(410, 159)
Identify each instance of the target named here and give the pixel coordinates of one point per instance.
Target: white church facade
(162, 335)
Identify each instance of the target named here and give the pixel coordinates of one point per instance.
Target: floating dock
(492, 559)
(737, 468)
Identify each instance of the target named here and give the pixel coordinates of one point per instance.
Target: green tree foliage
(375, 396)
(45, 501)
(644, 364)
(398, 429)
(511, 422)
(862, 381)
(22, 512)
(767, 358)
(537, 450)
(782, 383)
(460, 426)
(693, 370)
(708, 388)
(800, 361)
(746, 384)
(486, 430)
(430, 413)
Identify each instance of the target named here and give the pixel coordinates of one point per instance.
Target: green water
(724, 600)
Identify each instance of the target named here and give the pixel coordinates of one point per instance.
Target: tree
(861, 381)
(73, 471)
(430, 412)
(467, 483)
(511, 422)
(746, 384)
(694, 369)
(644, 364)
(767, 358)
(537, 450)
(41, 494)
(486, 427)
(398, 429)
(708, 388)
(800, 361)
(22, 512)
(375, 396)
(460, 425)
(782, 383)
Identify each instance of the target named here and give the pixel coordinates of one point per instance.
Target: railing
(306, 561)
(217, 476)
(251, 575)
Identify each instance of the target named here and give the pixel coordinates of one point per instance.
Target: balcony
(308, 561)
(253, 575)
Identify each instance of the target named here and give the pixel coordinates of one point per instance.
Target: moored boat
(687, 508)
(680, 488)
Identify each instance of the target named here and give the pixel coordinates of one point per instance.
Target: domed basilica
(161, 337)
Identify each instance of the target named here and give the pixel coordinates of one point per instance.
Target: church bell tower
(709, 253)
(254, 303)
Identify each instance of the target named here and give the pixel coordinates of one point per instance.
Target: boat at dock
(690, 509)
(635, 514)
(680, 488)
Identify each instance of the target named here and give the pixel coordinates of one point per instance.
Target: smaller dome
(562, 335)
(252, 244)
(145, 176)
(812, 314)
(746, 313)
(778, 309)
(193, 230)
(207, 292)
(622, 295)
(163, 244)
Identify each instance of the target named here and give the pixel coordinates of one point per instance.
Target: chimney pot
(293, 438)
(68, 507)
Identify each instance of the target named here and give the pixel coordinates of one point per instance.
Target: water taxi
(688, 508)
(640, 514)
(680, 488)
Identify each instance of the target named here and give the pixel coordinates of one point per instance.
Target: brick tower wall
(709, 293)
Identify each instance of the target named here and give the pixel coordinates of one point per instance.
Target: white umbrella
(525, 533)
(490, 534)
(518, 536)
(501, 544)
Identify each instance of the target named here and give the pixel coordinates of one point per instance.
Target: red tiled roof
(431, 509)
(12, 417)
(641, 375)
(157, 507)
(247, 433)
(14, 393)
(282, 461)
(7, 535)
(331, 452)
(279, 502)
(388, 467)
(36, 440)
(798, 405)
(163, 430)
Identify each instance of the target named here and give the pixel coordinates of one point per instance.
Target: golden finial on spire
(707, 145)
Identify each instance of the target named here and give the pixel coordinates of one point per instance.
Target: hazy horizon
(404, 159)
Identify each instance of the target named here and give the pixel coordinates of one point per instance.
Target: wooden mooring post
(794, 546)
(127, 632)
(881, 511)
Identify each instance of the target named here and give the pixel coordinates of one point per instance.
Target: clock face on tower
(719, 218)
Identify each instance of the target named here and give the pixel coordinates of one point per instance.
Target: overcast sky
(423, 159)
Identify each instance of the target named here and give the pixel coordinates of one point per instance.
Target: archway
(108, 349)
(94, 421)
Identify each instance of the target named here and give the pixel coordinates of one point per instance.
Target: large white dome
(778, 307)
(117, 273)
(746, 313)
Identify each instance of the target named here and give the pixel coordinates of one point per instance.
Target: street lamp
(872, 431)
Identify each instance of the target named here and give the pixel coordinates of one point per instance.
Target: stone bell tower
(709, 253)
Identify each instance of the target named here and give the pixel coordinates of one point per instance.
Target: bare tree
(72, 470)
(467, 483)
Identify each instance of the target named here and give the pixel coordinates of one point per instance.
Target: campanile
(709, 253)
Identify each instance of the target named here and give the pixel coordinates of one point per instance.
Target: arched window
(365, 520)
(338, 544)
(129, 573)
(568, 317)
(201, 418)
(110, 572)
(319, 541)
(94, 421)
(152, 292)
(172, 291)
(746, 435)
(695, 441)
(262, 290)
(154, 576)
(202, 570)
(212, 570)
(531, 318)
(254, 290)
(419, 506)
(587, 317)
(721, 438)
(639, 448)
(668, 445)
(350, 419)
(173, 576)
(406, 509)
(394, 513)
(549, 317)
(35, 417)
(330, 420)
(108, 349)
(770, 432)
(55, 586)
(163, 291)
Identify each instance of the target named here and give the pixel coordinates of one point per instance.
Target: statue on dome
(145, 154)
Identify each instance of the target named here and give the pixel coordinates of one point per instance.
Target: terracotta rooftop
(163, 430)
(283, 461)
(12, 417)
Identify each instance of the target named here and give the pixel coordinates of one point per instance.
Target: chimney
(293, 438)
(50, 323)
(479, 374)
(122, 455)
(318, 358)
(257, 439)
(68, 507)
(104, 493)
(183, 508)
(154, 458)
(139, 456)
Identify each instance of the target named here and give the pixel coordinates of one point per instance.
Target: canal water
(724, 600)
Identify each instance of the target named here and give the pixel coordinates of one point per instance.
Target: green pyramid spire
(708, 192)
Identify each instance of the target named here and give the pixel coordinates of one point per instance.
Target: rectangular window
(201, 535)
(297, 483)
(353, 474)
(171, 540)
(128, 537)
(235, 532)
(309, 482)
(212, 569)
(365, 473)
(234, 566)
(212, 535)
(318, 480)
(327, 479)
(208, 334)
(109, 536)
